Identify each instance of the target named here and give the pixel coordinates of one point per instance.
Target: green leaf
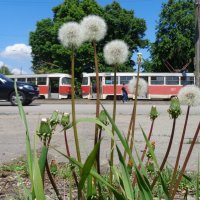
(89, 186)
(28, 144)
(163, 183)
(88, 166)
(145, 190)
(71, 187)
(42, 159)
(97, 121)
(117, 194)
(144, 172)
(197, 181)
(125, 176)
(150, 149)
(37, 178)
(120, 136)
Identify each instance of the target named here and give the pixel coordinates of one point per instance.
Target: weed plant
(135, 178)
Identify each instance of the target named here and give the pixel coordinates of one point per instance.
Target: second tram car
(160, 85)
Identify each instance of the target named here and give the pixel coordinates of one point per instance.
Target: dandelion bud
(153, 113)
(139, 57)
(45, 129)
(54, 120)
(65, 120)
(174, 109)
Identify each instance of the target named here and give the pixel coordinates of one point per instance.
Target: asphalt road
(12, 131)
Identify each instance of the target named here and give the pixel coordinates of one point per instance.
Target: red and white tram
(160, 85)
(55, 86)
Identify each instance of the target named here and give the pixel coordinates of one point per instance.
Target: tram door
(93, 88)
(54, 87)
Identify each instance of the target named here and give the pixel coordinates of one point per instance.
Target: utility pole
(197, 42)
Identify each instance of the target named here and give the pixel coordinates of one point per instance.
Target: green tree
(5, 70)
(175, 36)
(50, 56)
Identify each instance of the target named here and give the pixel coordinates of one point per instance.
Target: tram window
(187, 80)
(85, 81)
(41, 81)
(109, 80)
(66, 81)
(125, 79)
(172, 80)
(145, 78)
(31, 80)
(157, 80)
(21, 79)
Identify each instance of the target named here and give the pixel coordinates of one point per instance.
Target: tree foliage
(5, 70)
(175, 36)
(50, 56)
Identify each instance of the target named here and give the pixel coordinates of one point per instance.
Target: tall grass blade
(143, 170)
(125, 176)
(28, 144)
(120, 136)
(150, 149)
(163, 183)
(93, 173)
(88, 166)
(37, 178)
(70, 187)
(27, 193)
(144, 188)
(89, 186)
(97, 122)
(197, 182)
(42, 159)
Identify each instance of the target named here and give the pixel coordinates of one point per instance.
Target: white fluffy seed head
(189, 95)
(70, 35)
(142, 86)
(94, 28)
(116, 52)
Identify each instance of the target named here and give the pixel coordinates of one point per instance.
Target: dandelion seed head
(142, 86)
(94, 28)
(189, 95)
(70, 35)
(116, 52)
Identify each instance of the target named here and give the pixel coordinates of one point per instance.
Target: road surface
(12, 131)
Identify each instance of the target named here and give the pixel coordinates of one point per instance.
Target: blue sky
(19, 17)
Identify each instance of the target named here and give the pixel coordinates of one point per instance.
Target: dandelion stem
(133, 118)
(149, 137)
(73, 109)
(114, 115)
(185, 162)
(167, 152)
(129, 133)
(68, 154)
(98, 154)
(97, 102)
(97, 90)
(52, 181)
(144, 152)
(180, 147)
